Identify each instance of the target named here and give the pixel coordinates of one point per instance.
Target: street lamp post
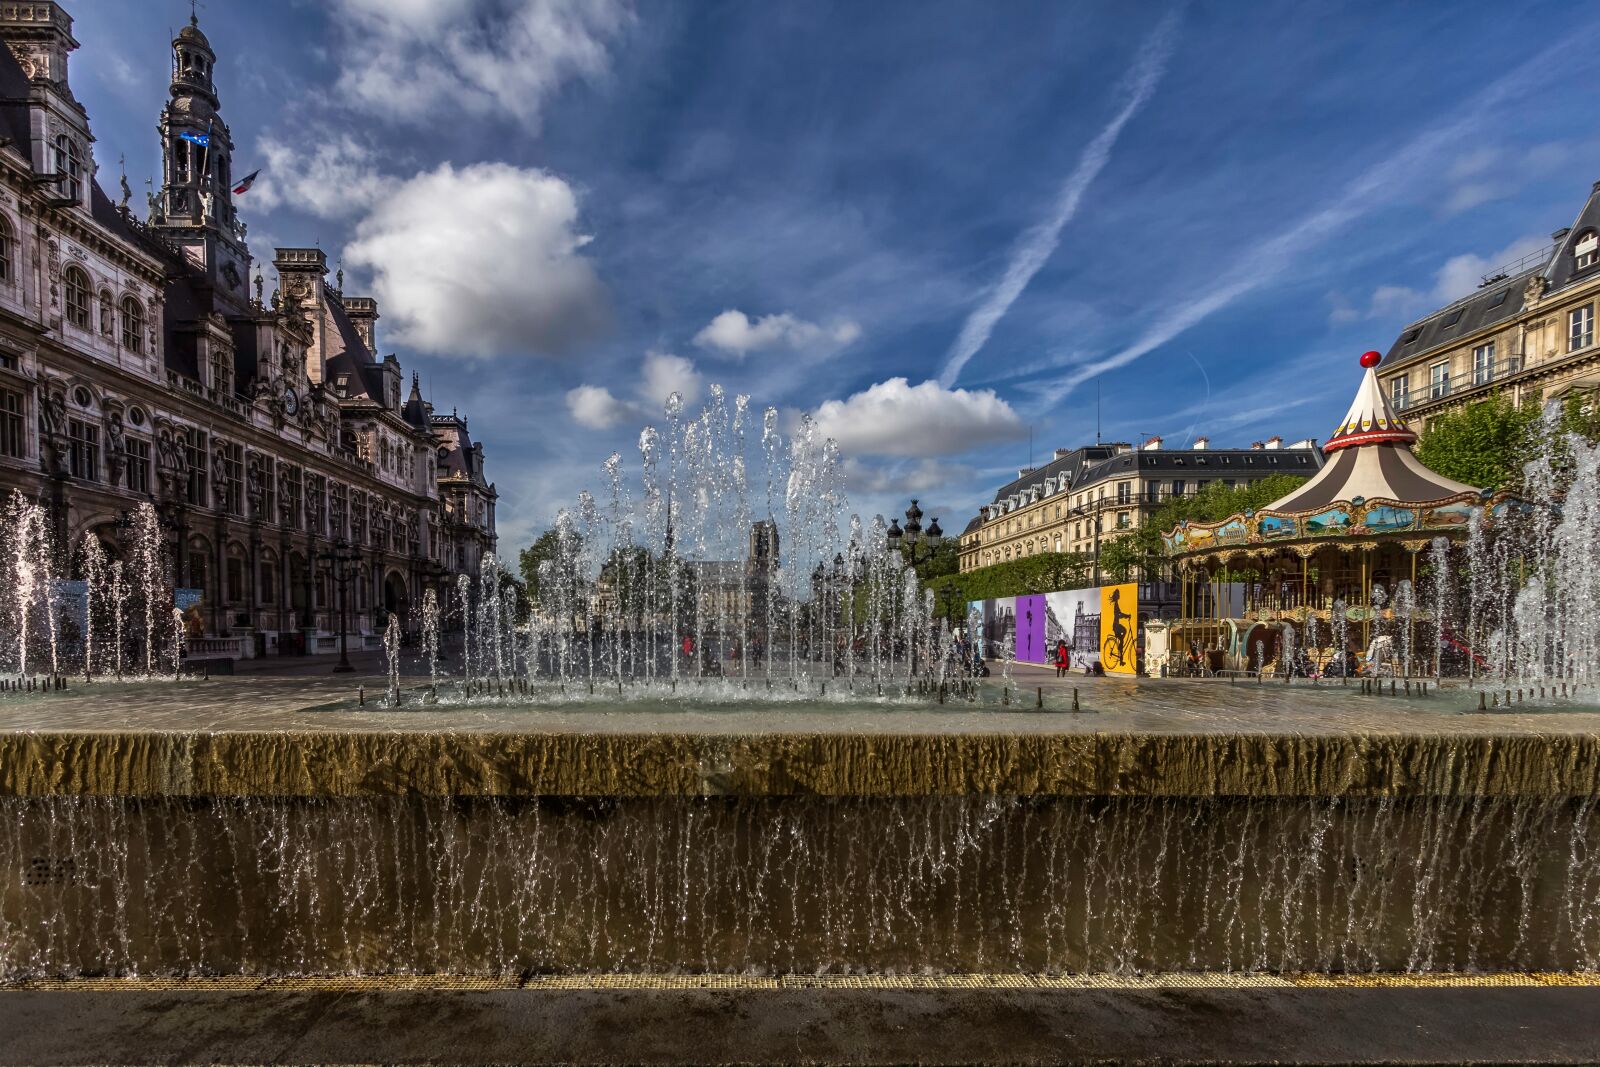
(342, 555)
(913, 539)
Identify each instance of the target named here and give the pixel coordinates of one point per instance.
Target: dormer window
(1586, 250)
(69, 167)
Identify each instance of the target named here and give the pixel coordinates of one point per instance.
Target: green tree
(1484, 444)
(546, 548)
(1123, 554)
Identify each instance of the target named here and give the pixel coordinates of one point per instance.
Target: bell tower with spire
(195, 208)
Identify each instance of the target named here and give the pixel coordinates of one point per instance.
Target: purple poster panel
(1030, 628)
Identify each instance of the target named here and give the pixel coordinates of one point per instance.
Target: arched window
(132, 324)
(108, 318)
(7, 268)
(69, 165)
(75, 283)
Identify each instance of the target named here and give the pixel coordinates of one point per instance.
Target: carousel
(1327, 577)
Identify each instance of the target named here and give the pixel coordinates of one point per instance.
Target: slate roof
(1070, 464)
(418, 412)
(1501, 299)
(459, 458)
(14, 90)
(354, 360)
(1091, 465)
(1491, 304)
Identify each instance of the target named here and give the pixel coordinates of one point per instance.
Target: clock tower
(195, 208)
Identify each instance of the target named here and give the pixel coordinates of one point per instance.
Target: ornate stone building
(1527, 332)
(1084, 495)
(138, 362)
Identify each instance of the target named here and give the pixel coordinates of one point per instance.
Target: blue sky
(940, 228)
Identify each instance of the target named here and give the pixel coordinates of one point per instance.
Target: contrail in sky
(1270, 258)
(1039, 243)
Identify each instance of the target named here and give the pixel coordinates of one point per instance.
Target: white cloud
(660, 375)
(925, 476)
(1469, 195)
(1459, 276)
(896, 418)
(414, 61)
(480, 261)
(594, 406)
(664, 374)
(337, 177)
(1039, 244)
(1462, 274)
(736, 334)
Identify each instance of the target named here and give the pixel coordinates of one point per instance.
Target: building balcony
(1478, 382)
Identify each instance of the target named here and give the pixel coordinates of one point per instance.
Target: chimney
(1258, 446)
(1307, 443)
(1063, 453)
(1202, 442)
(1559, 234)
(362, 311)
(1152, 445)
(1274, 442)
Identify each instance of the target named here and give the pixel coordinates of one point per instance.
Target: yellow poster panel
(1119, 628)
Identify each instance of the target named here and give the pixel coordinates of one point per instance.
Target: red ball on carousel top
(1371, 359)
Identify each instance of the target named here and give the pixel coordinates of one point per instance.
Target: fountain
(701, 750)
(116, 619)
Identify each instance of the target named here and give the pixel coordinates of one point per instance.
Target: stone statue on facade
(172, 465)
(116, 448)
(255, 488)
(285, 504)
(219, 478)
(56, 451)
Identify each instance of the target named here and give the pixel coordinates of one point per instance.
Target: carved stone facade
(136, 365)
(1527, 333)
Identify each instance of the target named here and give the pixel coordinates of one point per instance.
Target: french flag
(245, 183)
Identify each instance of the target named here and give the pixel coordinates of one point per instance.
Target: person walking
(1063, 659)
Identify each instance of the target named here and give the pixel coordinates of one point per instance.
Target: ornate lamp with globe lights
(916, 544)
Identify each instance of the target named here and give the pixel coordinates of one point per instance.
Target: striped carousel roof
(1370, 457)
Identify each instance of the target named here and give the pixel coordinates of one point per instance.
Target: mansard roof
(1070, 464)
(417, 412)
(1502, 296)
(1494, 303)
(14, 92)
(355, 361)
(458, 456)
(1563, 265)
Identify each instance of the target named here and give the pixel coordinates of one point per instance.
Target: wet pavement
(1035, 702)
(1217, 1024)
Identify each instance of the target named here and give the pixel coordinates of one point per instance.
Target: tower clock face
(291, 401)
